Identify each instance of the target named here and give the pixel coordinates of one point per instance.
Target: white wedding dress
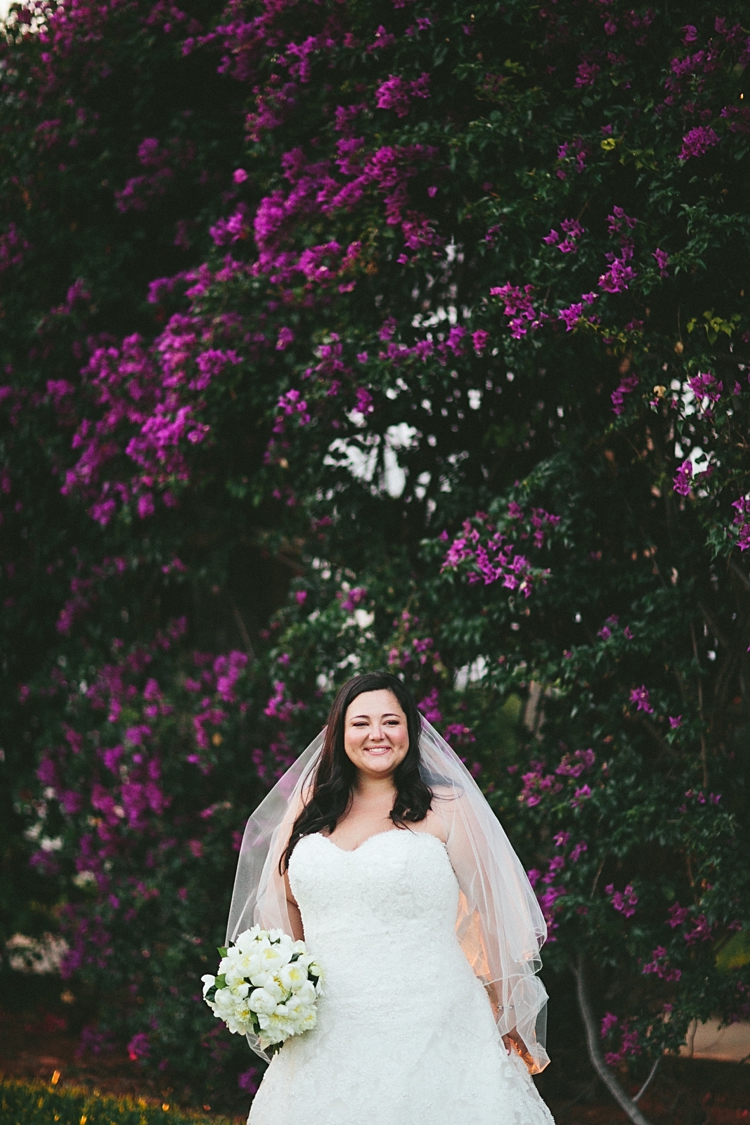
(405, 1032)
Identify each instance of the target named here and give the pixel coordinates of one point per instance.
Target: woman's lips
(377, 750)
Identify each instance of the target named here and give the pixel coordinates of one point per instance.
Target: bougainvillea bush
(401, 335)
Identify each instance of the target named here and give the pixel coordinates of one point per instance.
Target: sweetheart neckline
(374, 836)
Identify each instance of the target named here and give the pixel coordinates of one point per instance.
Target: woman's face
(376, 738)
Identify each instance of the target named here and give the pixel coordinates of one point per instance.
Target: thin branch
(740, 574)
(704, 763)
(713, 626)
(242, 630)
(595, 1052)
(647, 1083)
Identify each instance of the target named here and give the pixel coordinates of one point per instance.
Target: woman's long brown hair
(336, 775)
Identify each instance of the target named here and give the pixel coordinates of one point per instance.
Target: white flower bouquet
(268, 985)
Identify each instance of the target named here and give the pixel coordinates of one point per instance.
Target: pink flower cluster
(162, 162)
(492, 557)
(619, 275)
(640, 696)
(573, 232)
(627, 385)
(697, 142)
(573, 314)
(519, 308)
(395, 93)
(623, 901)
(659, 966)
(629, 1044)
(742, 521)
(13, 248)
(429, 706)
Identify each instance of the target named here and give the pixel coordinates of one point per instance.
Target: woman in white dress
(378, 848)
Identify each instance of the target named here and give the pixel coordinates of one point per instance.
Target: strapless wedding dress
(405, 1032)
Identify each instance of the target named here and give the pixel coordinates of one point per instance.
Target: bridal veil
(500, 925)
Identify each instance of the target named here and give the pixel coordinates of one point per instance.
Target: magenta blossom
(640, 697)
(697, 142)
(662, 260)
(623, 901)
(682, 482)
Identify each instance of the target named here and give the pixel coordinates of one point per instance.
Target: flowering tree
(468, 353)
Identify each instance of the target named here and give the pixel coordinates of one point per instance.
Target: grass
(39, 1103)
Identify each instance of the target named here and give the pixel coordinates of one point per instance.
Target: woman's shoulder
(433, 824)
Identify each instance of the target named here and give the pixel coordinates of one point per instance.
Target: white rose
(224, 1003)
(234, 977)
(208, 982)
(303, 1016)
(258, 979)
(252, 962)
(272, 957)
(262, 1002)
(299, 947)
(292, 976)
(247, 939)
(275, 988)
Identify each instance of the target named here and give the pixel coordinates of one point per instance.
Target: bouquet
(268, 985)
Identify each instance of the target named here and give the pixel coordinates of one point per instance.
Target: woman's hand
(514, 1042)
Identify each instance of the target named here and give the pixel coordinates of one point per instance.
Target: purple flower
(662, 260)
(479, 340)
(678, 915)
(239, 176)
(145, 505)
(429, 707)
(354, 597)
(617, 278)
(623, 901)
(608, 1022)
(628, 384)
(697, 142)
(640, 697)
(364, 404)
(675, 721)
(587, 73)
(248, 1080)
(682, 481)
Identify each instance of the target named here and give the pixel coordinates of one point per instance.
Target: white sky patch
(470, 673)
(362, 457)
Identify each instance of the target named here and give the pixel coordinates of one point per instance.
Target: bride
(378, 848)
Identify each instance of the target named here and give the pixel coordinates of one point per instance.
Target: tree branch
(740, 573)
(595, 1052)
(647, 1083)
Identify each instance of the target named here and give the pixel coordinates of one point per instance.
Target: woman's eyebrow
(386, 715)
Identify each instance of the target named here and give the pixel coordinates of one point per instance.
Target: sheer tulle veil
(500, 924)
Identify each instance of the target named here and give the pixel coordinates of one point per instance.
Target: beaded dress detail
(405, 1033)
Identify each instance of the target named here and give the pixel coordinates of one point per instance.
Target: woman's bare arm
(295, 917)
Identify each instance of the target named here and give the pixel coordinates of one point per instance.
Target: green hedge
(37, 1103)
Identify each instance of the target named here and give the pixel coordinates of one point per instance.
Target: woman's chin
(378, 764)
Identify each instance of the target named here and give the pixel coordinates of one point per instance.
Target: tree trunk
(595, 1052)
